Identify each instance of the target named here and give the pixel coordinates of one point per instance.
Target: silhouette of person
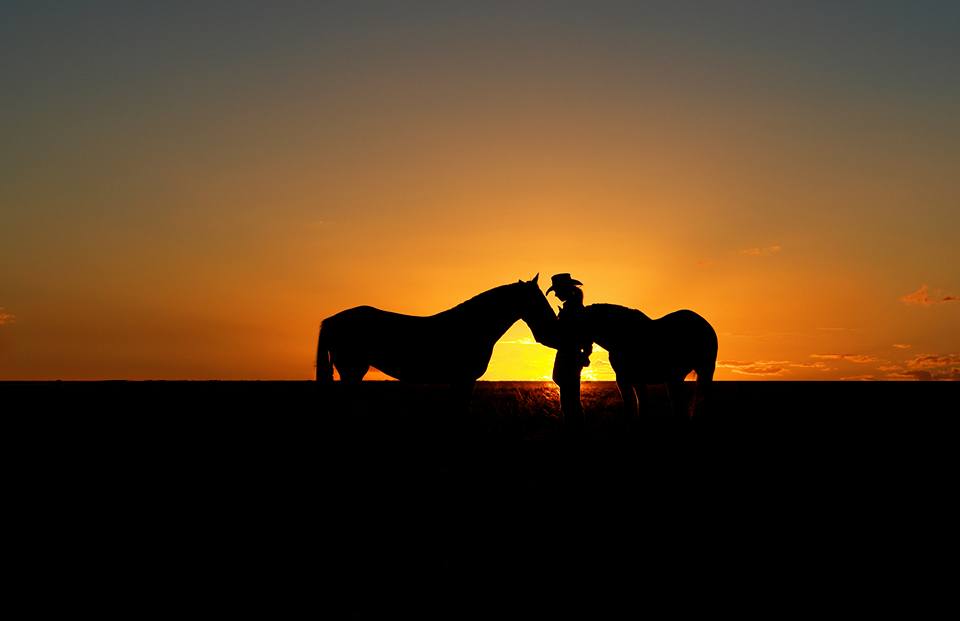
(573, 346)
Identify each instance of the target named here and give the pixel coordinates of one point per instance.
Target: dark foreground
(379, 499)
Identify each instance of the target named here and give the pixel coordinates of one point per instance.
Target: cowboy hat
(562, 280)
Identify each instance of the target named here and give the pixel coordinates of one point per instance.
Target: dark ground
(256, 493)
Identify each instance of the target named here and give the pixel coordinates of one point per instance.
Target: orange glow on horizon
(194, 210)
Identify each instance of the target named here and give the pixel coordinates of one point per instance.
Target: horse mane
(486, 298)
(615, 311)
(606, 323)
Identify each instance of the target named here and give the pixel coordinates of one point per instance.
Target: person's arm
(584, 343)
(585, 354)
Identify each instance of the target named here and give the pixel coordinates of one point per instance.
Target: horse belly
(411, 349)
(418, 362)
(648, 366)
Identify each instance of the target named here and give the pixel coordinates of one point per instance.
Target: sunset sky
(187, 188)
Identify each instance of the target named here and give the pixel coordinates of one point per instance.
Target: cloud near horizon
(762, 252)
(933, 361)
(819, 366)
(925, 367)
(5, 317)
(526, 340)
(759, 367)
(953, 375)
(857, 358)
(922, 297)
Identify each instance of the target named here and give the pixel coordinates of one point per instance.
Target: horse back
(659, 349)
(366, 322)
(687, 330)
(406, 347)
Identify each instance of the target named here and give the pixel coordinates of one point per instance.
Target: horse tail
(323, 364)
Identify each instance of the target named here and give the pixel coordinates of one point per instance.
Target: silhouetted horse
(452, 347)
(654, 351)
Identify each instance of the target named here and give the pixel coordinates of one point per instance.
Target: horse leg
(351, 370)
(643, 398)
(629, 397)
(675, 395)
(625, 385)
(460, 424)
(460, 395)
(703, 390)
(458, 411)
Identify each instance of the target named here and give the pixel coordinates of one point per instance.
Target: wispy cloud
(761, 336)
(949, 375)
(819, 366)
(6, 317)
(762, 252)
(933, 361)
(526, 340)
(923, 297)
(923, 376)
(925, 367)
(857, 358)
(902, 346)
(771, 368)
(758, 367)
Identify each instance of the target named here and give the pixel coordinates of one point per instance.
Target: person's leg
(570, 402)
(566, 374)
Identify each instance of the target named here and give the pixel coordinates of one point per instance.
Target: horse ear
(536, 278)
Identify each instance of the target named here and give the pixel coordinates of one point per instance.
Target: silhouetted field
(354, 487)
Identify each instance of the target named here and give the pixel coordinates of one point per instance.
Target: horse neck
(488, 315)
(605, 322)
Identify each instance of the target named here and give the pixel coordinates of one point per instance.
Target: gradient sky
(187, 191)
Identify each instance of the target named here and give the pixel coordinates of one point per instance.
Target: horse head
(536, 311)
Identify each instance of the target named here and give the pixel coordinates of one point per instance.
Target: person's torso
(572, 326)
